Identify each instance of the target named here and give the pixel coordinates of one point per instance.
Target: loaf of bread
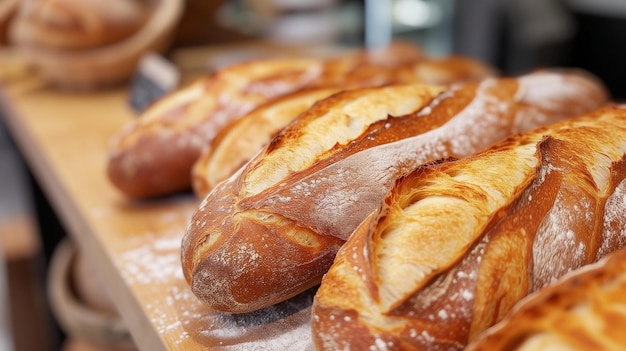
(77, 24)
(455, 245)
(236, 144)
(154, 154)
(8, 9)
(585, 310)
(272, 229)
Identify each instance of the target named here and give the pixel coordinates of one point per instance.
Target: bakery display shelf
(63, 137)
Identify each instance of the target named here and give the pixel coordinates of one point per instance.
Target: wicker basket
(77, 319)
(108, 65)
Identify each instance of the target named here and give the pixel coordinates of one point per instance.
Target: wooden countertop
(135, 245)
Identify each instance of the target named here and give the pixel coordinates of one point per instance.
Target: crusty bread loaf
(236, 144)
(241, 140)
(8, 9)
(456, 245)
(77, 24)
(273, 229)
(585, 310)
(154, 155)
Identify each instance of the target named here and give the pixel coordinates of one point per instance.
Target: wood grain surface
(134, 245)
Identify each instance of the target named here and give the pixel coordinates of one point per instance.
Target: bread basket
(111, 64)
(75, 317)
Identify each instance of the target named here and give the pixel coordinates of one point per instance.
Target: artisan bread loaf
(272, 229)
(585, 310)
(8, 9)
(154, 154)
(455, 245)
(242, 139)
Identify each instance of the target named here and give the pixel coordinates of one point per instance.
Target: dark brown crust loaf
(154, 155)
(328, 170)
(456, 245)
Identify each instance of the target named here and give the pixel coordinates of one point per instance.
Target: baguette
(241, 140)
(272, 229)
(586, 310)
(154, 155)
(456, 245)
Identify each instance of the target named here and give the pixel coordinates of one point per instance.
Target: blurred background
(515, 36)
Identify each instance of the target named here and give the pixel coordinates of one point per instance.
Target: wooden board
(135, 245)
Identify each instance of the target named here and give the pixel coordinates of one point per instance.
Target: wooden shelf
(135, 245)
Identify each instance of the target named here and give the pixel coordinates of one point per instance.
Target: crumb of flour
(152, 268)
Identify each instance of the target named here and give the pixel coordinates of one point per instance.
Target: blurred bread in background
(7, 12)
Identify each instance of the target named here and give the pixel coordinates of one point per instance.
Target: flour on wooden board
(154, 265)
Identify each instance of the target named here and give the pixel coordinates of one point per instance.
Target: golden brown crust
(138, 172)
(229, 94)
(241, 140)
(331, 167)
(582, 311)
(77, 24)
(456, 245)
(154, 154)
